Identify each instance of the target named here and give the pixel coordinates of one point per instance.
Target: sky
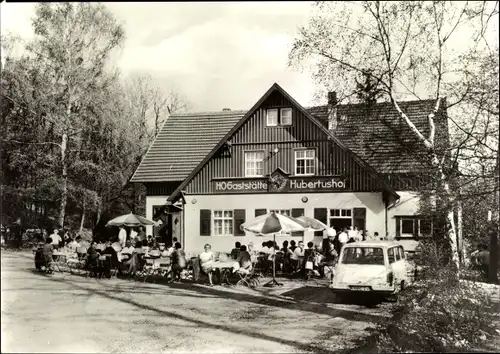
(216, 55)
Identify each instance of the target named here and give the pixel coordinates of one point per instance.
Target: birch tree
(411, 50)
(73, 44)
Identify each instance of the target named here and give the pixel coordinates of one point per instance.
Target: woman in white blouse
(207, 259)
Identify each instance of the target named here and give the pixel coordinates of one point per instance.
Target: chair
(109, 265)
(248, 277)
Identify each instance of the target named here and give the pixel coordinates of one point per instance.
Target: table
(225, 268)
(61, 259)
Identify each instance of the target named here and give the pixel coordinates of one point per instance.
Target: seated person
(116, 245)
(163, 251)
(48, 252)
(125, 255)
(179, 262)
(236, 250)
(151, 242)
(309, 255)
(74, 244)
(253, 252)
(136, 262)
(265, 249)
(108, 249)
(297, 257)
(270, 255)
(100, 246)
(207, 260)
(92, 256)
(244, 259)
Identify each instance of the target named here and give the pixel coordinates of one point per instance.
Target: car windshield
(363, 255)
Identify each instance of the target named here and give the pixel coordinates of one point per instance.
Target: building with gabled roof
(346, 165)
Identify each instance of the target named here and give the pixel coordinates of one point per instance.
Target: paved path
(68, 313)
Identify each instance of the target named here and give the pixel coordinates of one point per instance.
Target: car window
(363, 255)
(397, 256)
(402, 252)
(391, 255)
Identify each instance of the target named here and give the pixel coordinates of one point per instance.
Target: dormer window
(279, 117)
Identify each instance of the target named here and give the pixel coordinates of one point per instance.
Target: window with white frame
(340, 218)
(279, 117)
(223, 222)
(272, 117)
(340, 213)
(411, 226)
(407, 226)
(281, 211)
(305, 162)
(286, 116)
(254, 163)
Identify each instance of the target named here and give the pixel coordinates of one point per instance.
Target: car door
(399, 266)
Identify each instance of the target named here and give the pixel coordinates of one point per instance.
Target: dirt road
(69, 313)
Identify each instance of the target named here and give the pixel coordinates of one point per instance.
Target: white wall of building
(407, 205)
(375, 214)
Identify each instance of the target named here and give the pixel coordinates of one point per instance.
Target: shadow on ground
(299, 300)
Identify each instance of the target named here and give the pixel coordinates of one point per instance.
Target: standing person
(133, 233)
(482, 259)
(142, 235)
(179, 262)
(122, 236)
(48, 251)
(66, 237)
(56, 239)
(343, 237)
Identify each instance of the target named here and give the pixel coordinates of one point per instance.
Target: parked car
(371, 267)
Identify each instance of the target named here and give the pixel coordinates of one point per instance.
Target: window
(278, 117)
(391, 255)
(340, 213)
(363, 255)
(254, 163)
(305, 162)
(272, 117)
(412, 226)
(223, 222)
(286, 116)
(407, 226)
(281, 211)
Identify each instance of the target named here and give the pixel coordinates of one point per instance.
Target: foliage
(409, 50)
(63, 86)
(440, 313)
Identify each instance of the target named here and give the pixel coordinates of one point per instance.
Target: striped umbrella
(312, 223)
(129, 220)
(273, 223)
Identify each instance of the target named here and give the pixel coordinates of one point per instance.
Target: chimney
(226, 109)
(332, 110)
(332, 98)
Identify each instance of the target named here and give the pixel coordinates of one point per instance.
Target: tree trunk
(99, 212)
(450, 217)
(493, 273)
(64, 184)
(83, 218)
(460, 238)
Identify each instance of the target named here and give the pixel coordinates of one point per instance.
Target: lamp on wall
(304, 199)
(276, 150)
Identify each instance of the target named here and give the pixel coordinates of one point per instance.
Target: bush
(439, 313)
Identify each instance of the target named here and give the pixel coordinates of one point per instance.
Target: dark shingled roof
(382, 138)
(184, 140)
(375, 133)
